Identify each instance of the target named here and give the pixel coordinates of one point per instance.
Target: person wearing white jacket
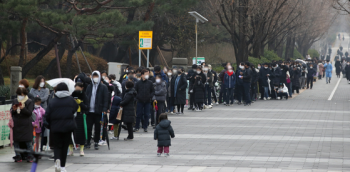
(282, 92)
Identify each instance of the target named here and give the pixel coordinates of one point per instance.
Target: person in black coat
(113, 115)
(254, 83)
(213, 90)
(128, 105)
(180, 85)
(310, 77)
(190, 75)
(21, 112)
(338, 68)
(264, 75)
(295, 79)
(79, 133)
(283, 76)
(275, 79)
(199, 91)
(347, 71)
(60, 118)
(162, 134)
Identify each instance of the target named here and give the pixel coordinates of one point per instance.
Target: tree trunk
(40, 55)
(271, 45)
(243, 48)
(288, 48)
(23, 42)
(292, 45)
(15, 40)
(2, 82)
(61, 50)
(69, 74)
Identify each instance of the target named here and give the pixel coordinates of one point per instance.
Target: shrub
(5, 91)
(271, 56)
(313, 53)
(297, 55)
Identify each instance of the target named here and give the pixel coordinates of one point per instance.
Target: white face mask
(21, 86)
(95, 80)
(158, 80)
(230, 70)
(242, 67)
(20, 97)
(265, 67)
(42, 84)
(165, 70)
(103, 77)
(37, 106)
(174, 71)
(259, 67)
(146, 76)
(126, 71)
(169, 74)
(310, 67)
(198, 72)
(206, 69)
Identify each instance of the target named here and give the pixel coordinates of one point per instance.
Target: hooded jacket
(162, 74)
(163, 132)
(97, 95)
(60, 113)
(159, 91)
(284, 89)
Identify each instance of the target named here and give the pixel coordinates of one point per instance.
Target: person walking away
(230, 83)
(247, 77)
(162, 134)
(25, 84)
(97, 99)
(282, 92)
(79, 133)
(21, 113)
(199, 92)
(208, 86)
(60, 120)
(39, 90)
(190, 77)
(145, 92)
(38, 123)
(160, 93)
(215, 79)
(239, 84)
(128, 106)
(264, 74)
(254, 85)
(310, 77)
(347, 71)
(328, 69)
(180, 86)
(275, 79)
(295, 80)
(321, 69)
(338, 68)
(115, 107)
(170, 98)
(303, 77)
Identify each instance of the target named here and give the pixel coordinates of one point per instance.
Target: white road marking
(335, 88)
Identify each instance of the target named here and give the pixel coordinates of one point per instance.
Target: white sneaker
(278, 98)
(63, 169)
(218, 102)
(269, 98)
(58, 166)
(210, 106)
(102, 142)
(114, 138)
(198, 110)
(224, 103)
(264, 98)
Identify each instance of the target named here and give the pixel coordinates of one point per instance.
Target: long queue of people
(144, 97)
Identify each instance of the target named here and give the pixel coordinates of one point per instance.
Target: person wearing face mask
(158, 71)
(239, 84)
(208, 86)
(264, 75)
(254, 84)
(222, 94)
(311, 72)
(347, 71)
(21, 113)
(23, 83)
(169, 98)
(179, 89)
(329, 69)
(229, 83)
(132, 78)
(145, 92)
(275, 79)
(79, 133)
(247, 79)
(97, 100)
(159, 97)
(128, 105)
(295, 77)
(190, 76)
(38, 123)
(125, 74)
(320, 69)
(215, 79)
(117, 86)
(151, 75)
(138, 73)
(39, 90)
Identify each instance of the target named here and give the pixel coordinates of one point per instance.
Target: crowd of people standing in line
(140, 93)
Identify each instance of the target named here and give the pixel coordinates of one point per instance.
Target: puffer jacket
(128, 106)
(145, 91)
(163, 132)
(114, 110)
(159, 91)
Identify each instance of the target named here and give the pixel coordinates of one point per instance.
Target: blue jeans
(246, 88)
(229, 95)
(142, 112)
(266, 92)
(207, 95)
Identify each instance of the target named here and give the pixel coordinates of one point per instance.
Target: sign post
(145, 43)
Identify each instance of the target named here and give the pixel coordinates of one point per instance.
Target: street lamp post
(201, 19)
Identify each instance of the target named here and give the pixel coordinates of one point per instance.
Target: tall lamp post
(201, 19)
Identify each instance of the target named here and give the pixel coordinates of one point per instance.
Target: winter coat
(180, 97)
(239, 81)
(263, 76)
(210, 79)
(283, 76)
(128, 104)
(145, 91)
(160, 91)
(43, 93)
(230, 81)
(118, 86)
(190, 75)
(114, 110)
(215, 77)
(337, 67)
(255, 76)
(320, 68)
(163, 132)
(347, 72)
(101, 97)
(39, 113)
(199, 91)
(284, 89)
(343, 65)
(23, 127)
(295, 78)
(222, 74)
(328, 69)
(30, 95)
(123, 86)
(311, 73)
(162, 74)
(275, 76)
(79, 132)
(247, 75)
(60, 113)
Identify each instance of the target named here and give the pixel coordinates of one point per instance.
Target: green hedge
(313, 53)
(5, 91)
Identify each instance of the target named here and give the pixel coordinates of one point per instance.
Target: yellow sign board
(145, 40)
